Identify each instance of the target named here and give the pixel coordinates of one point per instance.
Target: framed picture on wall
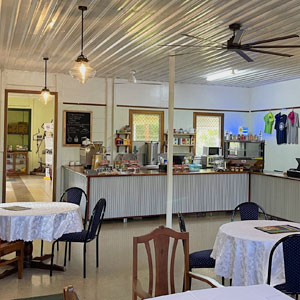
(77, 127)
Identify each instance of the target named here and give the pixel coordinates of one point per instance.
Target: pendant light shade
(45, 93)
(132, 76)
(81, 70)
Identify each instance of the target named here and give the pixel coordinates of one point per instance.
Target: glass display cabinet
(17, 163)
(248, 155)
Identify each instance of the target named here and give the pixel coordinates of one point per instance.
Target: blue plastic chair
(85, 236)
(291, 256)
(199, 259)
(248, 211)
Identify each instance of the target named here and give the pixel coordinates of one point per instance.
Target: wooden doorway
(54, 166)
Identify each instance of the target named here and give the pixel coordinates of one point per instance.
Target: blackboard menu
(77, 126)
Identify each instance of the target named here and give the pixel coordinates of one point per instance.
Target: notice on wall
(49, 130)
(77, 127)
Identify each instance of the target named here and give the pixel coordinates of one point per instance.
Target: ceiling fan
(132, 80)
(234, 44)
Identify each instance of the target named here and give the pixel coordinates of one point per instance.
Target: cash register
(294, 172)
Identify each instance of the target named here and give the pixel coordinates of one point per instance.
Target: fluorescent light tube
(221, 75)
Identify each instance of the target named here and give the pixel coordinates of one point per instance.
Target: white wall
(69, 90)
(195, 97)
(107, 119)
(186, 96)
(278, 95)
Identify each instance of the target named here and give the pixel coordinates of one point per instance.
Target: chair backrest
(181, 222)
(74, 195)
(161, 238)
(96, 219)
(291, 257)
(69, 293)
(248, 211)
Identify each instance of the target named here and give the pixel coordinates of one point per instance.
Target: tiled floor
(28, 188)
(112, 281)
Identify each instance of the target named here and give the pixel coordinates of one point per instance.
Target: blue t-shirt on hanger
(280, 127)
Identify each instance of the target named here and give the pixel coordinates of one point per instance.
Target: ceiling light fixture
(132, 76)
(82, 71)
(45, 92)
(221, 75)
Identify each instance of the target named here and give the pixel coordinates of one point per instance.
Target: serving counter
(277, 194)
(144, 193)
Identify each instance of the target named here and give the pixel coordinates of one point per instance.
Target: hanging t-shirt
(269, 120)
(292, 125)
(280, 126)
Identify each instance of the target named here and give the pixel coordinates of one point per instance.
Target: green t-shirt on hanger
(269, 121)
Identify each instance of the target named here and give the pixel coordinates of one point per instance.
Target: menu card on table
(16, 208)
(278, 229)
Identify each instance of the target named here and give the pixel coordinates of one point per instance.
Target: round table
(254, 292)
(242, 252)
(41, 220)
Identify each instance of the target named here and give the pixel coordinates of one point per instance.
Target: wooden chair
(161, 238)
(10, 247)
(69, 293)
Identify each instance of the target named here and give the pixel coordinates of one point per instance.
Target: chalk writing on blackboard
(77, 127)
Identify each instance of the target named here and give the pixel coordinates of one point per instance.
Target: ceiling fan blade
(275, 46)
(270, 52)
(238, 36)
(202, 39)
(273, 40)
(243, 55)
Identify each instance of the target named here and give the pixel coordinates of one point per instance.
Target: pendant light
(132, 76)
(45, 93)
(82, 71)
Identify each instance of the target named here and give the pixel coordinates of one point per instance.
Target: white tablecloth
(254, 292)
(45, 220)
(242, 252)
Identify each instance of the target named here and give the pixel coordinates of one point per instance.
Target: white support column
(170, 140)
(113, 113)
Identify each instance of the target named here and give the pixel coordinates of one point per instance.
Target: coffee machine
(87, 152)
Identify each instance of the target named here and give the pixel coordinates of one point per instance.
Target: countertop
(80, 170)
(277, 175)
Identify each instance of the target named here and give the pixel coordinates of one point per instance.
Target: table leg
(28, 249)
(37, 262)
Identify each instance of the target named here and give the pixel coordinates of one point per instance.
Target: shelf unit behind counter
(127, 138)
(184, 140)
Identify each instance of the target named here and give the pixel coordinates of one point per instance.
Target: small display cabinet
(247, 155)
(123, 140)
(17, 163)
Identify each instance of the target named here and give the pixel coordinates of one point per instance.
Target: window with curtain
(146, 126)
(209, 130)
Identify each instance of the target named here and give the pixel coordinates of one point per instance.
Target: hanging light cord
(45, 59)
(82, 32)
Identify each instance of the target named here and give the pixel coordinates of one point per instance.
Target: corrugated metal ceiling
(121, 35)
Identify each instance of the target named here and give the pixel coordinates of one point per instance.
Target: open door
(30, 147)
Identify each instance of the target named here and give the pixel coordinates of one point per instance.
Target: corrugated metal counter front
(277, 194)
(144, 193)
